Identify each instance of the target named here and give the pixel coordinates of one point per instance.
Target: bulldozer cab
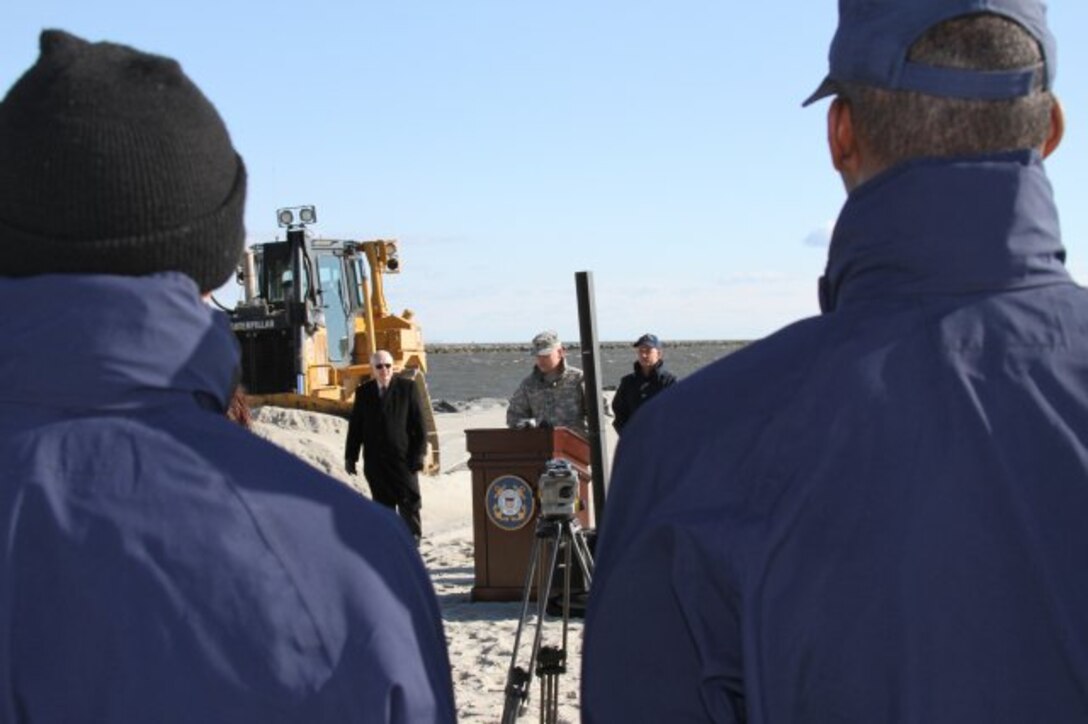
(313, 313)
(341, 279)
(274, 267)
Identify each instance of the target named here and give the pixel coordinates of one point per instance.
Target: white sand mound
(316, 438)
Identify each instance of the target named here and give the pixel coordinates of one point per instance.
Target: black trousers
(395, 486)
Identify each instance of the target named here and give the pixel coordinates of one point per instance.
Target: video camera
(558, 486)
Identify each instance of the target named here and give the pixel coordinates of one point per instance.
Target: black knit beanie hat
(113, 162)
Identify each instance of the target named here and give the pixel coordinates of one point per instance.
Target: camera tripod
(560, 534)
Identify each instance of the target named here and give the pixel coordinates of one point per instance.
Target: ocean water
(472, 372)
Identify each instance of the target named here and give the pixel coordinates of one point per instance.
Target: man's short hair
(896, 126)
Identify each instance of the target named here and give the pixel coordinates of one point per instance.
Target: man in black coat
(387, 422)
(648, 378)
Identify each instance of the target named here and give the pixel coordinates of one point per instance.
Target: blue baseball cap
(871, 44)
(648, 340)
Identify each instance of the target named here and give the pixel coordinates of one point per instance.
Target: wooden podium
(506, 465)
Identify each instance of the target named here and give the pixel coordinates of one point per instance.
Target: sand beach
(480, 635)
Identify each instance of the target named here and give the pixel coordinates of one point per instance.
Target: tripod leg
(553, 660)
(530, 574)
(568, 547)
(549, 700)
(542, 598)
(518, 679)
(547, 662)
(552, 666)
(585, 558)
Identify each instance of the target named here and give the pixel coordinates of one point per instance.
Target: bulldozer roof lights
(392, 263)
(306, 215)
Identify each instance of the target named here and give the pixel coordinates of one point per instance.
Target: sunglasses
(383, 365)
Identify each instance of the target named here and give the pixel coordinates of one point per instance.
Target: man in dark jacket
(648, 378)
(877, 514)
(158, 562)
(387, 422)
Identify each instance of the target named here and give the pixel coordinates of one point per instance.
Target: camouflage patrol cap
(546, 342)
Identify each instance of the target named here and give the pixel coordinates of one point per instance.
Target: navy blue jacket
(158, 563)
(635, 389)
(879, 514)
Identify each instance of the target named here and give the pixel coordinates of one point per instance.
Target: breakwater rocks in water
(474, 372)
(484, 403)
(455, 347)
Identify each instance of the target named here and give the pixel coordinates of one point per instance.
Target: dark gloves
(416, 465)
(349, 465)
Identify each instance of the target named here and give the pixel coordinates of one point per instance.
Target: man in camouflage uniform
(553, 394)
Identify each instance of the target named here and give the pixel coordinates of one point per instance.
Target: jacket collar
(943, 226)
(111, 342)
(553, 376)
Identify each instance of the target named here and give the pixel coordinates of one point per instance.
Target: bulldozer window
(337, 310)
(274, 271)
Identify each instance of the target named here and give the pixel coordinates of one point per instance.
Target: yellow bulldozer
(313, 311)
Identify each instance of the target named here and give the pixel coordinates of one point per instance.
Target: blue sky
(508, 145)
